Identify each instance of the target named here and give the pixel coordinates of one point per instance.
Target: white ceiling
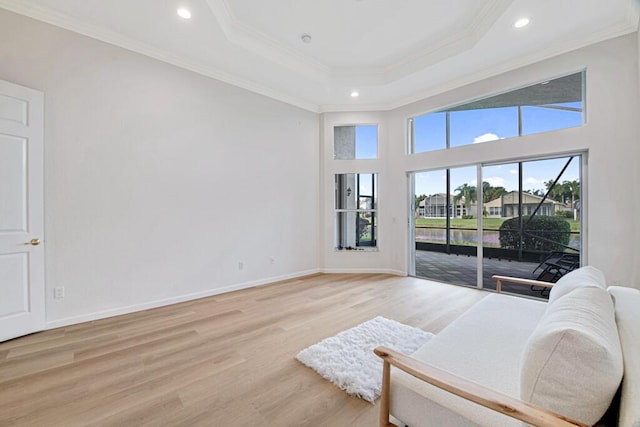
(391, 51)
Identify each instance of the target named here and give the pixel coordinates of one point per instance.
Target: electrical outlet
(272, 260)
(58, 293)
(241, 265)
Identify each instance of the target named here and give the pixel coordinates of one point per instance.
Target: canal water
(490, 238)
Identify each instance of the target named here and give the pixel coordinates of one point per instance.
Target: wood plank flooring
(224, 360)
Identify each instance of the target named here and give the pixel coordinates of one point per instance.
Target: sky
(367, 142)
(535, 174)
(478, 126)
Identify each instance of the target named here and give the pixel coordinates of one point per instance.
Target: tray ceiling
(391, 52)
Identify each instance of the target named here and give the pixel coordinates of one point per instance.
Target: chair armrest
(530, 282)
(466, 389)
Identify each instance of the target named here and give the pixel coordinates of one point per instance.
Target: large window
(527, 216)
(446, 205)
(539, 225)
(355, 142)
(542, 107)
(355, 209)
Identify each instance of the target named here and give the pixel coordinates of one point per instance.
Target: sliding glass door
(533, 221)
(446, 224)
(527, 214)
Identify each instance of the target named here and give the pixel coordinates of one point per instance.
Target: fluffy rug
(348, 361)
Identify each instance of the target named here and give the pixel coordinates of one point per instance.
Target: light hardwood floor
(224, 360)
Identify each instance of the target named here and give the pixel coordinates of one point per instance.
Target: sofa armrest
(530, 282)
(466, 389)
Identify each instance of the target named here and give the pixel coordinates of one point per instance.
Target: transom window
(355, 142)
(542, 107)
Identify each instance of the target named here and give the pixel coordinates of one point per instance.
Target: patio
(461, 270)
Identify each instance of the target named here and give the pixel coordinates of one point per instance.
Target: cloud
(513, 171)
(534, 181)
(430, 182)
(495, 181)
(485, 138)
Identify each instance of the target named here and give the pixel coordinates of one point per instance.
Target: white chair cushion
(483, 345)
(582, 277)
(572, 363)
(627, 307)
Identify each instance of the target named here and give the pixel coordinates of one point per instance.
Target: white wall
(610, 138)
(158, 181)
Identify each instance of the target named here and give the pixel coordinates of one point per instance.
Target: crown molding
(630, 25)
(624, 28)
(72, 24)
(361, 77)
(259, 43)
(450, 46)
(355, 108)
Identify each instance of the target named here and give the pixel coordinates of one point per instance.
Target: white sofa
(567, 356)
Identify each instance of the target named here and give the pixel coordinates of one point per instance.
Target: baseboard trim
(173, 300)
(363, 271)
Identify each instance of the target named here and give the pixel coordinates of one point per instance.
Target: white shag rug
(348, 360)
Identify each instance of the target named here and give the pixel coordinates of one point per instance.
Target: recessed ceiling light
(355, 94)
(184, 13)
(522, 22)
(306, 38)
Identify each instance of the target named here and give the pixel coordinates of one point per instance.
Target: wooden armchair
(464, 388)
(477, 393)
(517, 280)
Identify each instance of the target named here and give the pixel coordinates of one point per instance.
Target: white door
(22, 293)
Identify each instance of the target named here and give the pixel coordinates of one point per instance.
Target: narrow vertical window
(356, 211)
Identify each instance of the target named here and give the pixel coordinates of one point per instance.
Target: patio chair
(553, 256)
(554, 266)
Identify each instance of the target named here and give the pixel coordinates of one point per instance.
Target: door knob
(33, 242)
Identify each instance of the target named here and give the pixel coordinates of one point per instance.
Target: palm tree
(556, 192)
(573, 190)
(490, 193)
(467, 192)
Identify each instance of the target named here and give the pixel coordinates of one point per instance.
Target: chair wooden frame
(517, 280)
(464, 388)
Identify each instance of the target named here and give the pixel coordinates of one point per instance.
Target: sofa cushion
(627, 308)
(483, 345)
(572, 363)
(582, 277)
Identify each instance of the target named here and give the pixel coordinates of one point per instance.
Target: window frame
(355, 142)
(582, 163)
(410, 121)
(373, 211)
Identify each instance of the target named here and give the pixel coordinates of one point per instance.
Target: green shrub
(565, 214)
(363, 227)
(554, 229)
